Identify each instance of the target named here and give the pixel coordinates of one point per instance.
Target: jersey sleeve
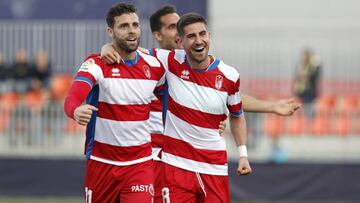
(163, 56)
(234, 103)
(90, 71)
(87, 76)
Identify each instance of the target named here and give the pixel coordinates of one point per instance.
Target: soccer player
(119, 158)
(203, 91)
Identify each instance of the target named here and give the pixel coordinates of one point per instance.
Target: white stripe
(122, 133)
(126, 91)
(152, 61)
(162, 55)
(198, 137)
(92, 68)
(234, 99)
(191, 95)
(195, 166)
(121, 163)
(201, 183)
(229, 72)
(156, 124)
(155, 153)
(180, 55)
(153, 97)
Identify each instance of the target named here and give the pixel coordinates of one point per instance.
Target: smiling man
(118, 145)
(203, 91)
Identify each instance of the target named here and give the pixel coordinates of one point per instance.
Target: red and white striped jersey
(119, 133)
(198, 101)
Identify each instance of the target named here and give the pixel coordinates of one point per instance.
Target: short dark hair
(118, 10)
(187, 19)
(155, 22)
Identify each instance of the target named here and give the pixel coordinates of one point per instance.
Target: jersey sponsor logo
(185, 74)
(86, 65)
(115, 72)
(143, 188)
(147, 71)
(218, 82)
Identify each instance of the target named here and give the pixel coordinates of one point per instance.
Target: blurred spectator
(5, 76)
(41, 73)
(2, 67)
(306, 80)
(21, 71)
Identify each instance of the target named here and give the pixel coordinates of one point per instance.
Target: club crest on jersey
(219, 82)
(115, 72)
(185, 74)
(147, 71)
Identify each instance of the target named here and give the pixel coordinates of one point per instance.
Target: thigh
(158, 177)
(177, 185)
(139, 184)
(217, 189)
(100, 185)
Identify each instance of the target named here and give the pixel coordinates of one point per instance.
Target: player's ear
(158, 36)
(110, 32)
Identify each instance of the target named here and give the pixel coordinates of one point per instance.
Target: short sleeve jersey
(118, 133)
(198, 101)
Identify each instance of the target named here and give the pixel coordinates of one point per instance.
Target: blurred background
(308, 49)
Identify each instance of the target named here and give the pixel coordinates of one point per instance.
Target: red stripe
(156, 105)
(195, 117)
(205, 79)
(141, 70)
(235, 108)
(116, 112)
(117, 153)
(235, 88)
(156, 140)
(185, 150)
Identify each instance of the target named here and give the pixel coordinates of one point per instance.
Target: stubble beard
(197, 59)
(122, 44)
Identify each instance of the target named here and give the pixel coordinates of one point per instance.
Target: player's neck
(126, 55)
(199, 65)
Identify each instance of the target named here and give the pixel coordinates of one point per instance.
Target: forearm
(238, 129)
(251, 104)
(76, 96)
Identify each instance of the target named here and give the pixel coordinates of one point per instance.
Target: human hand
(285, 107)
(222, 127)
(82, 114)
(244, 166)
(109, 55)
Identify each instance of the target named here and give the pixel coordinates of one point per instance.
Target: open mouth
(131, 39)
(199, 49)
